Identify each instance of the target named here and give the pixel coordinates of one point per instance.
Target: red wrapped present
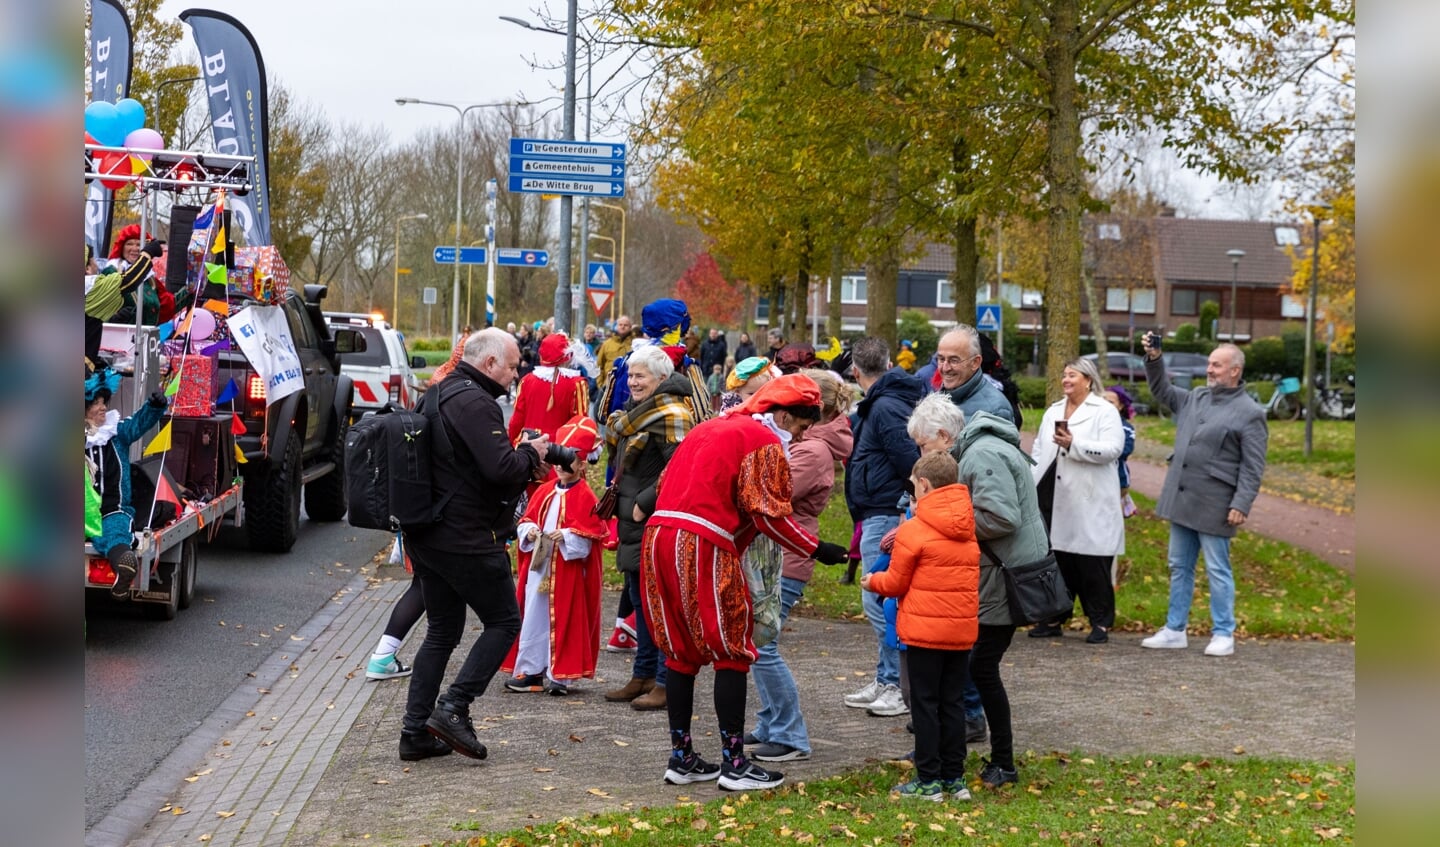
(198, 384)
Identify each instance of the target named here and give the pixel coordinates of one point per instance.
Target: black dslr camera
(557, 454)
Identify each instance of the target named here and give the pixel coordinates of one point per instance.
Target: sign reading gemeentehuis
(545, 166)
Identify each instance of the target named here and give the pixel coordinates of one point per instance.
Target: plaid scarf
(663, 415)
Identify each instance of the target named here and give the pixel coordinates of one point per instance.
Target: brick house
(1150, 272)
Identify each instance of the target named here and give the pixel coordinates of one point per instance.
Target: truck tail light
(395, 385)
(255, 389)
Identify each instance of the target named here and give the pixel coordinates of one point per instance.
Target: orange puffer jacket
(935, 571)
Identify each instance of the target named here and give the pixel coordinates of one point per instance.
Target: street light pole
(1315, 212)
(1235, 257)
(395, 293)
(619, 262)
(459, 194)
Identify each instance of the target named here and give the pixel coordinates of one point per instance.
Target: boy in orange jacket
(935, 571)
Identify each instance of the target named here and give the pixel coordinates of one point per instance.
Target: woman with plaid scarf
(642, 436)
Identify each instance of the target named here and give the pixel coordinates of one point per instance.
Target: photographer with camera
(1214, 476)
(642, 437)
(460, 560)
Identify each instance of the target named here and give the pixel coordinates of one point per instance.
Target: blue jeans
(648, 661)
(872, 529)
(1185, 544)
(779, 720)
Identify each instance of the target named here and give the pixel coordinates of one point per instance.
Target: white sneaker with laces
(1167, 639)
(1221, 645)
(864, 697)
(889, 704)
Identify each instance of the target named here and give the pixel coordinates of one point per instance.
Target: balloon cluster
(120, 124)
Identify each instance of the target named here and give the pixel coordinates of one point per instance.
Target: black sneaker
(683, 771)
(1045, 631)
(750, 740)
(975, 730)
(772, 752)
(555, 689)
(748, 776)
(451, 723)
(413, 748)
(125, 570)
(994, 776)
(1097, 635)
(532, 684)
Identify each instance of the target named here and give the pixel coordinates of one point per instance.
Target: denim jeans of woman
(779, 720)
(648, 661)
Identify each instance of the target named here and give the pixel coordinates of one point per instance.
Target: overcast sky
(354, 58)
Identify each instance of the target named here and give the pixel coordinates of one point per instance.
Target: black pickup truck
(298, 441)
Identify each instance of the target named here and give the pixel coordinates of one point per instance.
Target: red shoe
(628, 625)
(621, 642)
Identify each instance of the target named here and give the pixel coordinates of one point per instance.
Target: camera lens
(562, 456)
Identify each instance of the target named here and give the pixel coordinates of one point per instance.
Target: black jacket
(713, 353)
(486, 475)
(744, 350)
(884, 455)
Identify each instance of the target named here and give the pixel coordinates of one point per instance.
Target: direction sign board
(468, 255)
(601, 276)
(565, 185)
(567, 149)
(520, 257)
(567, 167)
(987, 317)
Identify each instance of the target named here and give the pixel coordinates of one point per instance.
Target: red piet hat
(787, 390)
(580, 434)
(554, 349)
(129, 232)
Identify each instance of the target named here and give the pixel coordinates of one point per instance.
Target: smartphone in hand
(1062, 426)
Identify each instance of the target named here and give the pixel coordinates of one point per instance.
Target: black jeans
(450, 582)
(1088, 577)
(937, 678)
(985, 658)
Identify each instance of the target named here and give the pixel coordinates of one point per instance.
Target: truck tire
(325, 497)
(272, 502)
(189, 570)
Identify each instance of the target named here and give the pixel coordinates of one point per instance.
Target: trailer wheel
(168, 574)
(189, 570)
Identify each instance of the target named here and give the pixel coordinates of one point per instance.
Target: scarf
(662, 414)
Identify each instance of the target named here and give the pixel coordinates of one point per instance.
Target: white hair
(1237, 356)
(967, 332)
(486, 344)
(933, 414)
(653, 359)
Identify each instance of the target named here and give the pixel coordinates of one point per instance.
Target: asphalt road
(149, 684)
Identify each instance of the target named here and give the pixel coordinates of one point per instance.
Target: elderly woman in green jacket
(1009, 528)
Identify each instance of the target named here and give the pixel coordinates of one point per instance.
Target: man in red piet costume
(558, 588)
(553, 393)
(727, 481)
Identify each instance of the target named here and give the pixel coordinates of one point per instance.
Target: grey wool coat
(1220, 440)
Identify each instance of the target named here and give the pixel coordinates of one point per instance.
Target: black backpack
(388, 459)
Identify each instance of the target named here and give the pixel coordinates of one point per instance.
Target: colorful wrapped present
(199, 382)
(269, 276)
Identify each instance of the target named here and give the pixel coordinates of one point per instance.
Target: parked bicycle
(1334, 403)
(1285, 401)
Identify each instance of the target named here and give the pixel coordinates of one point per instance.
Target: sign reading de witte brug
(468, 255)
(586, 168)
(987, 317)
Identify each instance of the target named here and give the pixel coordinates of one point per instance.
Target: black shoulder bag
(1036, 591)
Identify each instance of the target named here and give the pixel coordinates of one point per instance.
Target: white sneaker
(1167, 639)
(1221, 645)
(864, 697)
(889, 704)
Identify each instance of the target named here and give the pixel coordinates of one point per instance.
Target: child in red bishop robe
(558, 590)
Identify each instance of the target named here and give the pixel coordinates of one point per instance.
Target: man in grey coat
(1214, 477)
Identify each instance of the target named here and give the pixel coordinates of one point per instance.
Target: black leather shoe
(450, 722)
(1097, 635)
(975, 730)
(413, 748)
(1043, 630)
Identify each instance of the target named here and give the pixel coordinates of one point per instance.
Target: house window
(1144, 301)
(1026, 298)
(1287, 236)
(1117, 299)
(852, 289)
(945, 294)
(1109, 232)
(1187, 301)
(1292, 306)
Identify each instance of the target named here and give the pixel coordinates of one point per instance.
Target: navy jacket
(884, 455)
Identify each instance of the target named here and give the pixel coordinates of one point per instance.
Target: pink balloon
(145, 138)
(202, 326)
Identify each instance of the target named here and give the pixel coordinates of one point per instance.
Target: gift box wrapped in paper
(199, 380)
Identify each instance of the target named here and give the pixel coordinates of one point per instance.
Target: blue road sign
(520, 257)
(987, 317)
(553, 149)
(565, 185)
(601, 276)
(568, 167)
(468, 255)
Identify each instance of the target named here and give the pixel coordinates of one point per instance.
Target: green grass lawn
(1160, 800)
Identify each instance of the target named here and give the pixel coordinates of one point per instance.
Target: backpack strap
(443, 449)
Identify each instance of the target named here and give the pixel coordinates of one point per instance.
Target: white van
(384, 371)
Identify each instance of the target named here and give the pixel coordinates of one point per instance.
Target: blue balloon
(132, 116)
(103, 122)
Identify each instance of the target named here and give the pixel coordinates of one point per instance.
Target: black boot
(849, 577)
(450, 722)
(123, 562)
(413, 748)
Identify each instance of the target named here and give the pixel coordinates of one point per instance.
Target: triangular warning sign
(600, 279)
(599, 299)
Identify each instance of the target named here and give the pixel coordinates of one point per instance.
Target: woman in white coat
(1076, 451)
